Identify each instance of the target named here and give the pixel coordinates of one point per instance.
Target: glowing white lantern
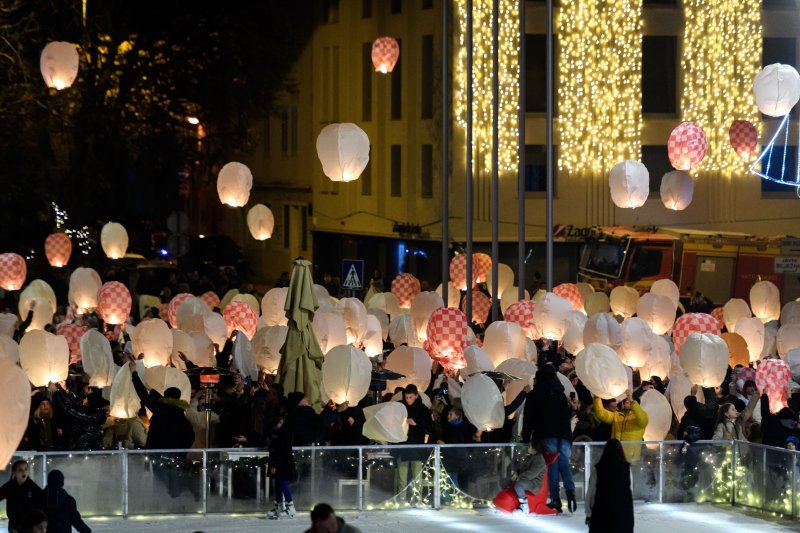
(623, 301)
(125, 402)
(509, 297)
(679, 388)
(770, 340)
(114, 240)
(153, 339)
(505, 279)
(383, 320)
(15, 394)
(58, 248)
(477, 360)
(637, 342)
(372, 341)
(84, 284)
(573, 337)
(267, 344)
(204, 349)
(704, 358)
(260, 222)
(386, 422)
(44, 357)
(601, 371)
(39, 296)
(793, 360)
(659, 415)
(234, 183)
(182, 343)
(551, 316)
(752, 331)
(657, 310)
(765, 301)
(8, 348)
(12, 272)
(98, 362)
(355, 318)
(161, 378)
(272, 307)
(788, 339)
(190, 315)
(777, 89)
(59, 64)
(790, 314)
(422, 307)
(504, 340)
(523, 370)
(668, 288)
(346, 374)
(658, 363)
(329, 329)
(732, 311)
(482, 403)
(630, 184)
(343, 150)
(216, 328)
(596, 302)
(677, 190)
(602, 328)
(401, 331)
(242, 360)
(388, 302)
(413, 363)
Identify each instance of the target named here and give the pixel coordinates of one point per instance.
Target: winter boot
(523, 506)
(555, 503)
(278, 511)
(572, 504)
(290, 512)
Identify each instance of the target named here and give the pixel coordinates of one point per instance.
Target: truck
(720, 265)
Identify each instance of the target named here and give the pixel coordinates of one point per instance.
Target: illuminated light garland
(81, 236)
(718, 73)
(508, 86)
(600, 89)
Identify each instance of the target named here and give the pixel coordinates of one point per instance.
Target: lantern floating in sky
(772, 378)
(405, 287)
(657, 310)
(422, 307)
(777, 89)
(114, 240)
(272, 307)
(738, 354)
(765, 301)
(504, 340)
(483, 403)
(12, 272)
(677, 190)
(704, 358)
(343, 150)
(114, 303)
(15, 395)
(346, 374)
(693, 323)
(604, 329)
(601, 371)
(687, 146)
(385, 53)
(413, 363)
(57, 248)
(732, 311)
(752, 331)
(59, 64)
(234, 183)
(386, 422)
(44, 357)
(596, 302)
(744, 139)
(623, 301)
(153, 339)
(788, 339)
(84, 284)
(505, 278)
(630, 184)
(551, 315)
(260, 222)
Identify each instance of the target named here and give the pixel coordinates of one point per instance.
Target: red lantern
(687, 146)
(12, 272)
(211, 299)
(693, 323)
(481, 266)
(571, 292)
(405, 287)
(172, 310)
(772, 377)
(521, 313)
(481, 305)
(58, 248)
(240, 316)
(73, 334)
(447, 337)
(744, 139)
(385, 53)
(114, 303)
(719, 314)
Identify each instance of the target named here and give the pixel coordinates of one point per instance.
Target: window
(776, 166)
(427, 171)
(284, 131)
(335, 83)
(304, 225)
(397, 6)
(397, 86)
(659, 74)
(366, 9)
(396, 187)
(366, 180)
(536, 73)
(779, 50)
(779, 4)
(427, 4)
(326, 83)
(659, 3)
(536, 167)
(656, 159)
(646, 263)
(427, 76)
(286, 225)
(330, 11)
(294, 130)
(366, 81)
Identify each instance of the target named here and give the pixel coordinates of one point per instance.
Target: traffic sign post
(353, 274)
(790, 246)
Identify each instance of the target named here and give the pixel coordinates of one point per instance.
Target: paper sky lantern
(114, 240)
(765, 301)
(39, 296)
(98, 362)
(687, 146)
(777, 89)
(518, 368)
(770, 340)
(8, 324)
(250, 300)
(228, 298)
(405, 287)
(772, 378)
(125, 402)
(343, 150)
(719, 314)
(73, 334)
(793, 360)
(790, 314)
(602, 328)
(240, 316)
(482, 403)
(623, 301)
(204, 349)
(161, 378)
(573, 337)
(153, 339)
(738, 354)
(260, 222)
(385, 53)
(234, 182)
(413, 363)
(190, 314)
(242, 361)
(458, 271)
(551, 315)
(704, 358)
(172, 310)
(12, 272)
(267, 344)
(637, 342)
(59, 64)
(597, 302)
(504, 340)
(422, 307)
(585, 289)
(505, 278)
(744, 139)
(659, 415)
(44, 357)
(453, 295)
(601, 371)
(84, 284)
(668, 288)
(693, 323)
(521, 313)
(629, 182)
(477, 360)
(481, 305)
(483, 266)
(57, 248)
(329, 329)
(677, 190)
(752, 331)
(8, 348)
(386, 422)
(732, 311)
(372, 340)
(679, 388)
(355, 318)
(388, 302)
(658, 363)
(211, 299)
(509, 297)
(114, 303)
(15, 394)
(447, 337)
(401, 331)
(183, 343)
(571, 292)
(216, 328)
(383, 320)
(788, 339)
(272, 307)
(346, 374)
(657, 310)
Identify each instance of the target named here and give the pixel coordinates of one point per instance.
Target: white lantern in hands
(505, 279)
(658, 363)
(161, 378)
(788, 339)
(752, 331)
(623, 301)
(15, 395)
(668, 288)
(413, 363)
(551, 316)
(659, 415)
(329, 329)
(386, 422)
(355, 318)
(44, 357)
(98, 362)
(601, 371)
(84, 284)
(732, 311)
(346, 374)
(483, 403)
(765, 301)
(637, 342)
(153, 339)
(422, 307)
(596, 302)
(272, 307)
(602, 328)
(504, 340)
(704, 358)
(267, 344)
(658, 311)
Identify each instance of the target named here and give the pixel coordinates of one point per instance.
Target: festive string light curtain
(260, 222)
(788, 339)
(738, 354)
(772, 379)
(657, 310)
(601, 371)
(15, 395)
(114, 240)
(752, 331)
(732, 311)
(343, 150)
(44, 357)
(483, 403)
(623, 301)
(629, 182)
(597, 302)
(329, 329)
(551, 315)
(114, 303)
(704, 358)
(267, 343)
(386, 422)
(687, 146)
(153, 339)
(677, 190)
(504, 340)
(234, 182)
(765, 301)
(602, 96)
(744, 139)
(385, 53)
(405, 287)
(413, 363)
(505, 279)
(59, 64)
(602, 328)
(84, 284)
(777, 89)
(718, 72)
(422, 307)
(346, 374)
(12, 272)
(57, 249)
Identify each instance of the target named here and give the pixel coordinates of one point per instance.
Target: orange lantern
(12, 272)
(738, 354)
(114, 302)
(571, 292)
(744, 139)
(385, 53)
(58, 248)
(687, 146)
(405, 287)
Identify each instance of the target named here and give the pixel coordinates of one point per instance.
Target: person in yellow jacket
(627, 424)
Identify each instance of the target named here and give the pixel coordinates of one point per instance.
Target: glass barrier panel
(237, 482)
(165, 483)
(471, 476)
(100, 492)
(778, 488)
(678, 474)
(35, 472)
(750, 475)
(578, 469)
(708, 474)
(327, 475)
(644, 462)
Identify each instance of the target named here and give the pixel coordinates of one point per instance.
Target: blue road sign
(352, 274)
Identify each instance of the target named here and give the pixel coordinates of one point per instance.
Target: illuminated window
(536, 168)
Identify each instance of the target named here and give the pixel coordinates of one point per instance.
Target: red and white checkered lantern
(571, 292)
(172, 310)
(447, 336)
(521, 313)
(481, 305)
(385, 53)
(719, 314)
(481, 267)
(12, 272)
(744, 139)
(458, 271)
(73, 334)
(240, 316)
(114, 303)
(687, 146)
(211, 299)
(405, 287)
(693, 323)
(57, 248)
(772, 377)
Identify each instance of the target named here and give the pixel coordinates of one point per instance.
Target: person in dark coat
(281, 468)
(60, 508)
(776, 428)
(699, 416)
(457, 430)
(169, 427)
(609, 499)
(86, 430)
(419, 427)
(22, 495)
(306, 424)
(324, 520)
(547, 418)
(44, 432)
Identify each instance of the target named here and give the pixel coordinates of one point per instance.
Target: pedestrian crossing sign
(353, 274)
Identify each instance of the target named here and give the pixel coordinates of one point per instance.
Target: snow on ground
(650, 518)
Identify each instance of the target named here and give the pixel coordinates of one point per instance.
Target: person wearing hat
(169, 427)
(61, 508)
(792, 443)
